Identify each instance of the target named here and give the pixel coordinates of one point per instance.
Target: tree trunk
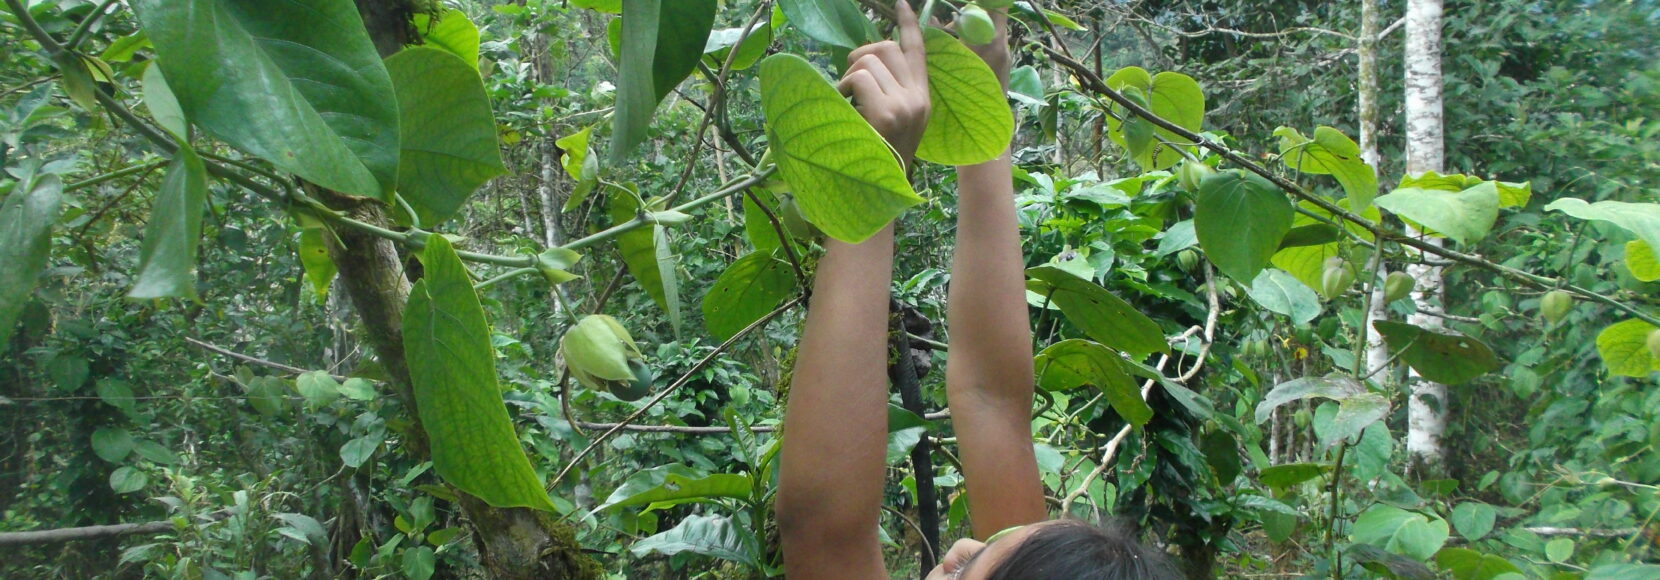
(1376, 352)
(513, 543)
(1425, 151)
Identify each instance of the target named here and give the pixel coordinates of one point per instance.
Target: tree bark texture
(513, 543)
(1377, 353)
(1425, 151)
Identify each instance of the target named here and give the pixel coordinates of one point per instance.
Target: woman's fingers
(873, 64)
(889, 55)
(910, 42)
(862, 85)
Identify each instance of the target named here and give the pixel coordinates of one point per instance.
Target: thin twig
(684, 378)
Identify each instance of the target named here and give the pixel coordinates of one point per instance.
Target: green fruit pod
(597, 349)
(1654, 343)
(975, 25)
(1336, 280)
(639, 386)
(1187, 259)
(1555, 306)
(1397, 286)
(1191, 174)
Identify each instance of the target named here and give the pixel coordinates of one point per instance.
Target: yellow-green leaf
(845, 177)
(1332, 153)
(1640, 260)
(970, 121)
(1624, 348)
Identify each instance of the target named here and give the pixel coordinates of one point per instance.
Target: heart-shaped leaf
(1443, 358)
(1240, 220)
(1332, 153)
(449, 132)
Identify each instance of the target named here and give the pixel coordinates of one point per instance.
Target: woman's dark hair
(1074, 550)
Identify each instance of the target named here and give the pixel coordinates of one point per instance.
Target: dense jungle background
(284, 286)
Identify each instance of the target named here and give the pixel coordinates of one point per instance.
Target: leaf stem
(81, 31)
(684, 378)
(113, 175)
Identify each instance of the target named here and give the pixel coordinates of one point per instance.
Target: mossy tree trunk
(513, 543)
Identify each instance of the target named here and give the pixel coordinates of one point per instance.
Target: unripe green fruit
(600, 354)
(789, 214)
(1187, 259)
(1397, 286)
(975, 25)
(1555, 306)
(1336, 280)
(1192, 173)
(1301, 418)
(1654, 343)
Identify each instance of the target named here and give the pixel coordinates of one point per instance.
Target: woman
(832, 471)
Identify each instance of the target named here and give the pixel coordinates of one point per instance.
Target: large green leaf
(970, 121)
(296, 83)
(112, 444)
(453, 368)
(1100, 314)
(26, 220)
(1077, 362)
(1282, 293)
(1400, 531)
(1641, 261)
(1335, 387)
(1510, 194)
(1467, 564)
(167, 260)
(1641, 219)
(1332, 153)
(675, 484)
(1624, 348)
(660, 44)
(1465, 216)
(713, 536)
(1175, 97)
(1474, 520)
(1354, 414)
(1289, 474)
(1240, 220)
(749, 289)
(845, 177)
(1307, 263)
(1443, 358)
(640, 253)
(449, 133)
(450, 31)
(836, 22)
